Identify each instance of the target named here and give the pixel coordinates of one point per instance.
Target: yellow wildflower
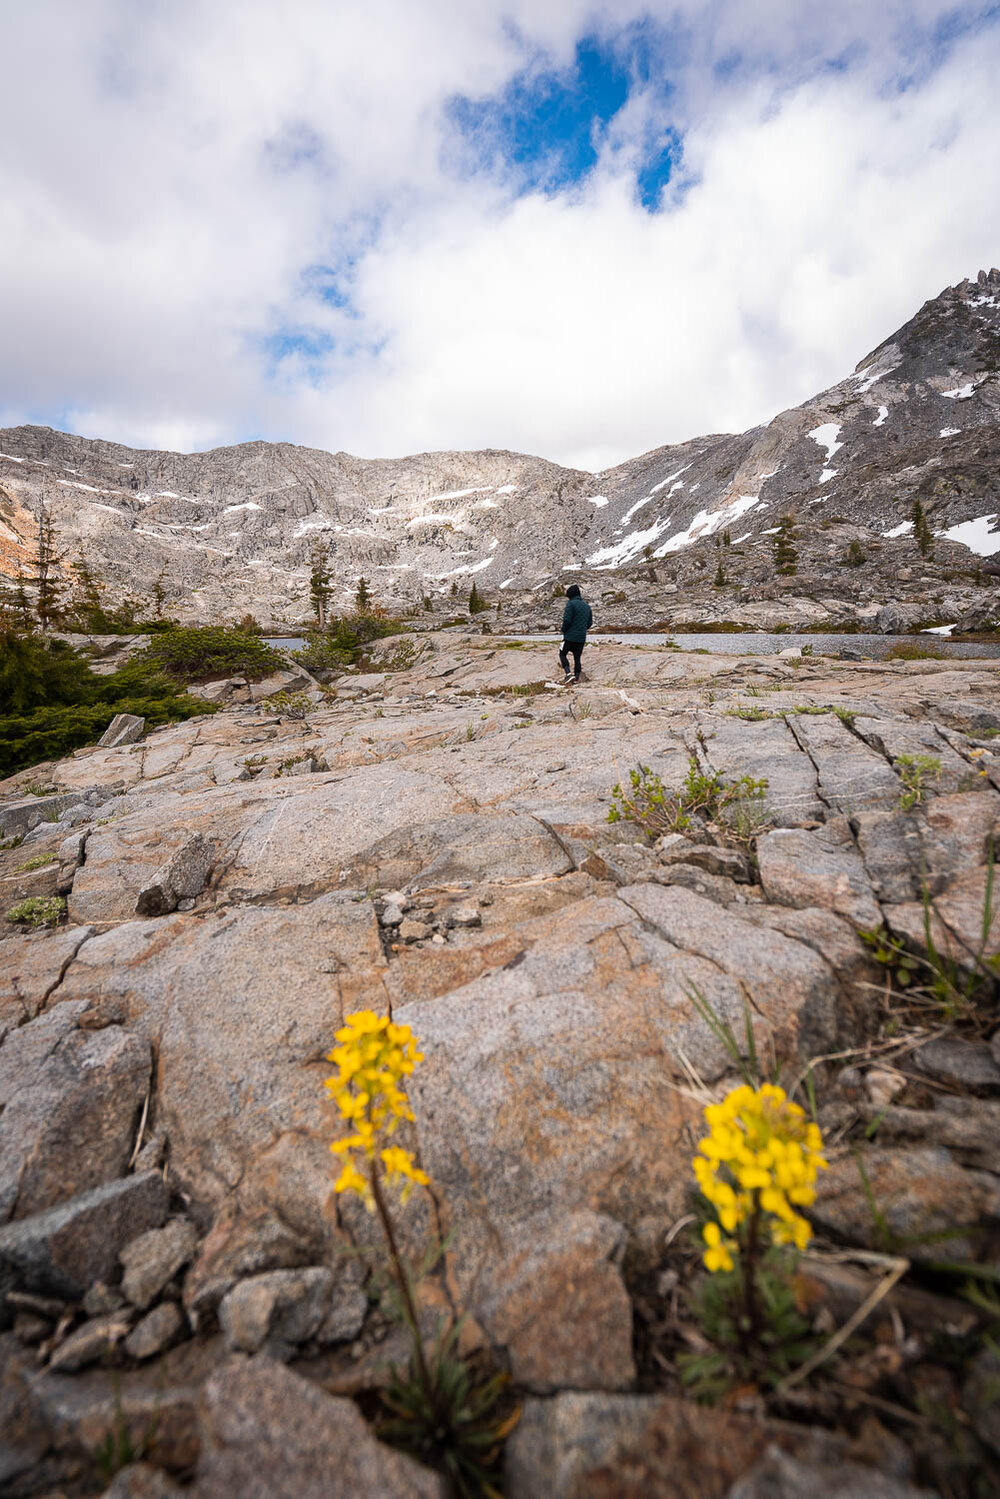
(761, 1156)
(373, 1057)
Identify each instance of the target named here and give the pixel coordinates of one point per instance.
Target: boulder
(182, 877)
(93, 1341)
(157, 1330)
(818, 868)
(279, 1310)
(142, 1481)
(920, 1192)
(291, 679)
(64, 1250)
(150, 1261)
(124, 728)
(269, 1434)
(554, 1299)
(779, 1475)
(70, 1101)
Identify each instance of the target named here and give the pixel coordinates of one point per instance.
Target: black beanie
(573, 591)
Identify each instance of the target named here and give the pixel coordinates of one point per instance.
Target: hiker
(577, 620)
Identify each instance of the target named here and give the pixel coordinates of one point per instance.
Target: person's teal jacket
(577, 620)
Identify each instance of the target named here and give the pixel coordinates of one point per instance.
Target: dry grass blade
(899, 1269)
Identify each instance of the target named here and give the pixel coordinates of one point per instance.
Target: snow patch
(472, 567)
(826, 436)
(304, 527)
(979, 535)
(827, 475)
(10, 458)
(883, 412)
(600, 500)
(938, 629)
(456, 494)
(960, 393)
(706, 523)
(249, 505)
(506, 489)
(903, 529)
(949, 431)
(866, 381)
(486, 505)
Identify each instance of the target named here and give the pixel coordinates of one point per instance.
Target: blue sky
(566, 227)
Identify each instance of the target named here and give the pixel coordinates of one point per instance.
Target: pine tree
(921, 530)
(22, 604)
(476, 601)
(454, 587)
(727, 539)
(159, 592)
(428, 605)
(319, 583)
(87, 604)
(43, 573)
(363, 597)
(720, 576)
(786, 556)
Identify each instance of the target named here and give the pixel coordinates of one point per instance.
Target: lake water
(873, 647)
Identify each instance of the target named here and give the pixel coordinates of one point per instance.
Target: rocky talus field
(183, 1298)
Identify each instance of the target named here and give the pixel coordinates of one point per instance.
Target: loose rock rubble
(170, 1237)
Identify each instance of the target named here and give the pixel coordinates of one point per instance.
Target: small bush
(38, 862)
(911, 650)
(192, 654)
(39, 911)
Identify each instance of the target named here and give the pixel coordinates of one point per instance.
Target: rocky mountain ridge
(231, 531)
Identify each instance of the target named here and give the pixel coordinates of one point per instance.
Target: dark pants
(575, 649)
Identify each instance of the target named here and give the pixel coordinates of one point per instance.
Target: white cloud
(185, 166)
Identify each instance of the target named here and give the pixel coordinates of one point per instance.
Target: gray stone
(920, 1191)
(102, 1299)
(180, 878)
(728, 863)
(346, 1315)
(277, 1310)
(268, 1434)
(979, 1396)
(142, 1481)
(290, 679)
(554, 1299)
(778, 1475)
(466, 915)
(151, 1261)
(820, 868)
(124, 728)
(673, 848)
(157, 1330)
(414, 931)
(64, 1250)
(968, 1065)
(71, 852)
(70, 1100)
(391, 916)
(91, 1342)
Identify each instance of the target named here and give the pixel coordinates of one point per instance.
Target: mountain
(232, 530)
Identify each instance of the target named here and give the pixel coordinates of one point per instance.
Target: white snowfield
(867, 379)
(247, 505)
(979, 535)
(827, 475)
(883, 412)
(826, 436)
(960, 393)
(600, 500)
(903, 529)
(949, 431)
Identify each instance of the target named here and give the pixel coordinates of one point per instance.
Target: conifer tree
(720, 576)
(921, 530)
(319, 583)
(43, 573)
(786, 556)
(363, 597)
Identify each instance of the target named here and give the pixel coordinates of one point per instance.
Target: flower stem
(751, 1309)
(382, 1208)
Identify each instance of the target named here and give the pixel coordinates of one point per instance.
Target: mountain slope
(232, 529)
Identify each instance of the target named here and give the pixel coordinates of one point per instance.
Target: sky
(570, 229)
